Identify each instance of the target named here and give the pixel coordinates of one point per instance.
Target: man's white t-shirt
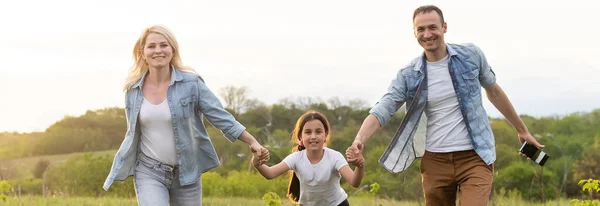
(320, 182)
(446, 129)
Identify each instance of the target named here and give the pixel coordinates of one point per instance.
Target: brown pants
(445, 174)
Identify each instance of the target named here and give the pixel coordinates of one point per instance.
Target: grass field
(83, 201)
(26, 165)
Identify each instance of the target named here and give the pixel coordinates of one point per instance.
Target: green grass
(210, 201)
(234, 201)
(506, 201)
(83, 201)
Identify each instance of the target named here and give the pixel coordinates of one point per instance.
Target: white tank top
(158, 141)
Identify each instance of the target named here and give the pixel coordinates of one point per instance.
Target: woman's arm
(255, 147)
(216, 114)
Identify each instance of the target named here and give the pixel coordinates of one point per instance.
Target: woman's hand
(260, 155)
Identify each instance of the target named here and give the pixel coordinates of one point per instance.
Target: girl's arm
(352, 177)
(266, 171)
(272, 172)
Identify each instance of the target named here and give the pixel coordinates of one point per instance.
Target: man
(457, 147)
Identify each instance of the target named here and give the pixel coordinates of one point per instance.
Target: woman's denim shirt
(189, 101)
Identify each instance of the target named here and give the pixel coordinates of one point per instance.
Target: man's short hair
(427, 9)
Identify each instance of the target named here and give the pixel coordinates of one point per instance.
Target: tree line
(573, 142)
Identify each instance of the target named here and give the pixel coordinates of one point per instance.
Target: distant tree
(589, 166)
(357, 104)
(235, 98)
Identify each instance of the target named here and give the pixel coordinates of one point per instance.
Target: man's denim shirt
(189, 100)
(469, 71)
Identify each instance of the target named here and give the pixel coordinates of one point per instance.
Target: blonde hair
(140, 66)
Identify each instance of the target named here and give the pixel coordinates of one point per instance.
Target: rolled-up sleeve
(487, 77)
(212, 108)
(391, 101)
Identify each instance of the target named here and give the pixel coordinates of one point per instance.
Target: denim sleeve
(211, 107)
(487, 77)
(127, 105)
(391, 101)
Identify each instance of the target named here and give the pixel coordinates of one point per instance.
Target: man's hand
(526, 136)
(354, 154)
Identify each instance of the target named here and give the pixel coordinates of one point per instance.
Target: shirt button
(459, 99)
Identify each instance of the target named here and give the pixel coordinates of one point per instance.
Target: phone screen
(534, 153)
(529, 150)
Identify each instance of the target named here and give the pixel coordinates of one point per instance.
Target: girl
(315, 179)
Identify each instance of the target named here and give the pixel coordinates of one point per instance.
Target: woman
(166, 147)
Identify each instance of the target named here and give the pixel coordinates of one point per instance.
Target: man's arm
(380, 114)
(369, 126)
(366, 131)
(499, 99)
(487, 78)
(385, 108)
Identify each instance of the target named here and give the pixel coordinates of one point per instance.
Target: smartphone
(538, 156)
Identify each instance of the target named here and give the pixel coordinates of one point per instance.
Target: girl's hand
(262, 159)
(354, 156)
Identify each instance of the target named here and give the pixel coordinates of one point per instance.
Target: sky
(64, 57)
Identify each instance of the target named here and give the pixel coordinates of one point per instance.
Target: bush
(4, 187)
(272, 199)
(591, 186)
(28, 186)
(517, 174)
(40, 168)
(241, 184)
(84, 175)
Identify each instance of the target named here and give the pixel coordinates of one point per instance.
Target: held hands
(354, 154)
(260, 155)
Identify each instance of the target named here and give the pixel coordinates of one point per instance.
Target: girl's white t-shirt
(319, 183)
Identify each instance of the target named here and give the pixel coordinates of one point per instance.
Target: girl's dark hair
(294, 187)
